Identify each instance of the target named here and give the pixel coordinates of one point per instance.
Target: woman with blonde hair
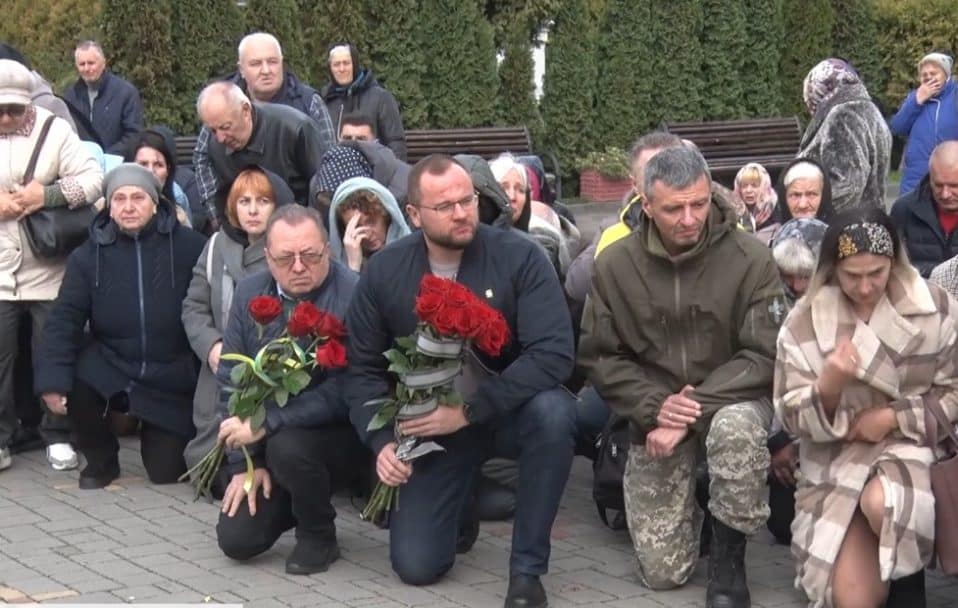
(753, 189)
(859, 359)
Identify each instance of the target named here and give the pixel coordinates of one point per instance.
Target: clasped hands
(678, 411)
(17, 205)
(444, 420)
(872, 424)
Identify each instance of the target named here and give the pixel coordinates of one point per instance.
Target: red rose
(468, 323)
(494, 334)
(428, 304)
(304, 318)
(431, 283)
(331, 355)
(444, 321)
(459, 296)
(265, 309)
(329, 327)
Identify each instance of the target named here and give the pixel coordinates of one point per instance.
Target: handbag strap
(32, 165)
(934, 406)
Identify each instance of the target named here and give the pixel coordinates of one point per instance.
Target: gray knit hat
(131, 174)
(943, 61)
(16, 83)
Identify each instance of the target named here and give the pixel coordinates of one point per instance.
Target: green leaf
(384, 416)
(237, 357)
(281, 396)
(257, 418)
(245, 407)
(398, 368)
(233, 402)
(237, 373)
(302, 378)
(378, 402)
(452, 398)
(406, 343)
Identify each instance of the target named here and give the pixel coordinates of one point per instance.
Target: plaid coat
(907, 352)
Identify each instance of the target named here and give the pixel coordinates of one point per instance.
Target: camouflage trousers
(663, 516)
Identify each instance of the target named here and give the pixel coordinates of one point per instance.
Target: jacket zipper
(682, 345)
(139, 278)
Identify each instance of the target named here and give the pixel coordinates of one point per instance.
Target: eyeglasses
(447, 208)
(306, 258)
(13, 110)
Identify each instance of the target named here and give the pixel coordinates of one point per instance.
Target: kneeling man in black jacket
(519, 411)
(303, 450)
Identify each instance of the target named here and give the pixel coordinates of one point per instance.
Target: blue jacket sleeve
(238, 328)
(63, 330)
(131, 122)
(366, 375)
(544, 333)
(902, 122)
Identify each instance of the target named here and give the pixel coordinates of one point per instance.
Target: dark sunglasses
(13, 110)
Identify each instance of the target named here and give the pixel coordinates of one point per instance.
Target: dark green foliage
(677, 60)
(397, 58)
(807, 41)
(280, 18)
(205, 34)
(907, 31)
(855, 38)
(328, 22)
(570, 84)
(724, 40)
(460, 64)
(625, 102)
(516, 103)
(46, 33)
(761, 61)
(139, 46)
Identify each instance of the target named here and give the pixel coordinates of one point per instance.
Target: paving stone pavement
(140, 543)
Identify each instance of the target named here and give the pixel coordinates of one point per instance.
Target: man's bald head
(226, 111)
(943, 175)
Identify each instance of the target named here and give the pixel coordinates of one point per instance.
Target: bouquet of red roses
(282, 368)
(451, 319)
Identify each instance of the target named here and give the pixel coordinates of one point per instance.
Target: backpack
(608, 468)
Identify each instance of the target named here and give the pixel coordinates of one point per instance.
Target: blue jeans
(592, 413)
(424, 528)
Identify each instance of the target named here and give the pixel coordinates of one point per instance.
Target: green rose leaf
(237, 373)
(257, 418)
(384, 416)
(281, 396)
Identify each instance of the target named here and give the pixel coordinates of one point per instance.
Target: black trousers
(161, 450)
(306, 466)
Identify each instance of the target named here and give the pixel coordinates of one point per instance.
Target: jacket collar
(721, 220)
(926, 209)
(888, 335)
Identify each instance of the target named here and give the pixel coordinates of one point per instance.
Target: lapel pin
(488, 294)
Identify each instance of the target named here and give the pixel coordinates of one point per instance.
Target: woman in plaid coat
(858, 357)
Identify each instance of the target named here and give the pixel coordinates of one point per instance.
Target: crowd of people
(780, 335)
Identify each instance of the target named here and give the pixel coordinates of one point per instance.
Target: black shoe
(98, 477)
(525, 591)
(727, 586)
(312, 556)
(26, 439)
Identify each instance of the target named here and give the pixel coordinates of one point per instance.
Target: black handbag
(54, 232)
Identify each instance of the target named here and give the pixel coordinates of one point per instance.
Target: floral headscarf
(825, 79)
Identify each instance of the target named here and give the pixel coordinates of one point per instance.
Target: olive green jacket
(708, 318)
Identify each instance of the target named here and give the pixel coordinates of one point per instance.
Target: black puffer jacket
(131, 291)
(916, 217)
(494, 206)
(366, 96)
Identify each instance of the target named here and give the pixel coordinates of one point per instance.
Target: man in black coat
(109, 104)
(927, 218)
(306, 448)
(519, 411)
(261, 74)
(273, 136)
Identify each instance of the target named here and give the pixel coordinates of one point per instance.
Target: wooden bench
(487, 142)
(727, 145)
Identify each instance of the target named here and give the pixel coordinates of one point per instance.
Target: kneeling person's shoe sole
(311, 557)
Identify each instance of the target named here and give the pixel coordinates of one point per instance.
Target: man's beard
(447, 241)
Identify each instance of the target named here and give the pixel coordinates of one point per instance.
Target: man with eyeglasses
(307, 448)
(517, 411)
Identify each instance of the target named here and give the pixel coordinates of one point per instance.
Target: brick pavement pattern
(136, 542)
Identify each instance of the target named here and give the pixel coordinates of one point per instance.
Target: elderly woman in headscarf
(860, 358)
(127, 282)
(753, 189)
(846, 135)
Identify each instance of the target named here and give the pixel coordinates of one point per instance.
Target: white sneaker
(61, 456)
(5, 458)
